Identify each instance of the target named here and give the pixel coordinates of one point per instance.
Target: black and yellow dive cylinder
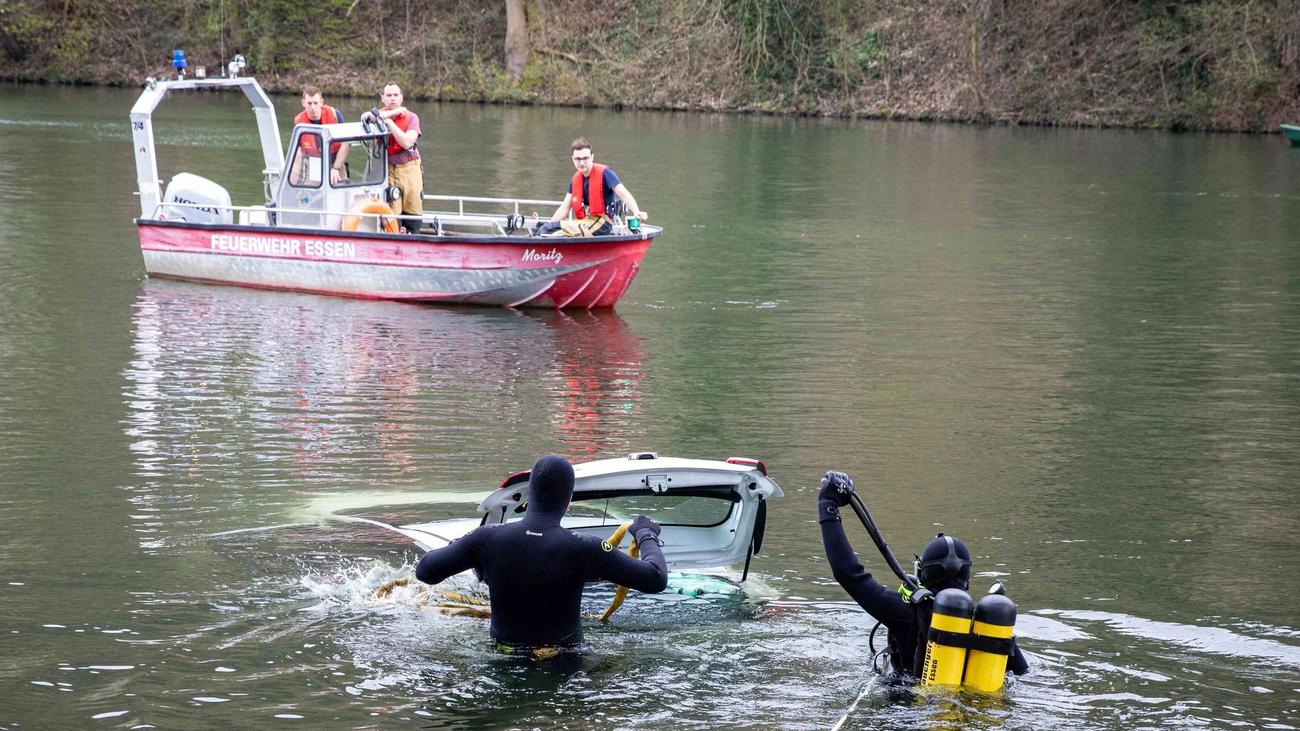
(986, 664)
(968, 644)
(946, 642)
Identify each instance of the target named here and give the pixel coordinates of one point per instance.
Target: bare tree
(516, 39)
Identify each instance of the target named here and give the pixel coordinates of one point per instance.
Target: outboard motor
(195, 199)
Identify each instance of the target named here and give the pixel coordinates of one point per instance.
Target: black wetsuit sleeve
(457, 556)
(883, 604)
(648, 573)
(1017, 663)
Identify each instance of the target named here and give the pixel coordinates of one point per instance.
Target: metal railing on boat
(498, 223)
(236, 210)
(461, 200)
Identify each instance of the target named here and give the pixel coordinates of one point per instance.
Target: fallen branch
(566, 56)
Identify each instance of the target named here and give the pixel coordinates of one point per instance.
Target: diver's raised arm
(871, 595)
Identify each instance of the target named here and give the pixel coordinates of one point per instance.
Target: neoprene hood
(550, 487)
(944, 564)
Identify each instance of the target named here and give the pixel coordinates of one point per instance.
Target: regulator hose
(864, 515)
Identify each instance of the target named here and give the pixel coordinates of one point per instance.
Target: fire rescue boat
(313, 234)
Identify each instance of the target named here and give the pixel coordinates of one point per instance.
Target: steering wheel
(634, 551)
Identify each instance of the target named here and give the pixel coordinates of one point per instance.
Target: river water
(1079, 350)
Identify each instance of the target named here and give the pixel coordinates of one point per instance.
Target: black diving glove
(643, 527)
(836, 489)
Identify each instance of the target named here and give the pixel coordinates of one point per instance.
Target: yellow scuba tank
(986, 665)
(945, 650)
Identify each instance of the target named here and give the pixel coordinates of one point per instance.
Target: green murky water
(1077, 349)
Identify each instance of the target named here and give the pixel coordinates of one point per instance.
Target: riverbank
(1213, 65)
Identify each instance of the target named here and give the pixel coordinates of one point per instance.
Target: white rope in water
(865, 689)
(367, 521)
(418, 539)
(255, 530)
(357, 519)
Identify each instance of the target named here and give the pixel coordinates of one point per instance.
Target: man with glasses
(592, 191)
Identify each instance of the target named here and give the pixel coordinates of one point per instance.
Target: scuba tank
(968, 644)
(986, 665)
(946, 642)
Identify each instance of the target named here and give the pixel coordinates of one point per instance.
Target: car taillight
(519, 477)
(751, 462)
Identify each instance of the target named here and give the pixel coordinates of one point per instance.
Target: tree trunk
(516, 39)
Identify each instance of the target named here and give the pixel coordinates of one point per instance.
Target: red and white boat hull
(511, 271)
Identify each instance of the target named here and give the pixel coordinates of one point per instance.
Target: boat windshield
(305, 167)
(363, 161)
(695, 509)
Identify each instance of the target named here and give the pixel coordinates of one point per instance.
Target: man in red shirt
(403, 157)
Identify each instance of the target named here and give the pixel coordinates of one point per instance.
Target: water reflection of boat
(310, 232)
(319, 388)
(596, 382)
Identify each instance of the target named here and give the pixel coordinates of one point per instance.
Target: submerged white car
(713, 512)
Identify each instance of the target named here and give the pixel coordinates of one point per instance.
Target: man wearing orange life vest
(316, 111)
(590, 200)
(403, 157)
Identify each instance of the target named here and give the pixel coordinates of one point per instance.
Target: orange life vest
(310, 143)
(401, 121)
(595, 193)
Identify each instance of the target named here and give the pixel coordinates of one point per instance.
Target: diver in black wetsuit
(945, 564)
(535, 569)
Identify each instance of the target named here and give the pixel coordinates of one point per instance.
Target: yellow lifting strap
(634, 551)
(452, 604)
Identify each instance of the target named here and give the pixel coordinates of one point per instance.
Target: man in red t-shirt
(316, 111)
(403, 157)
